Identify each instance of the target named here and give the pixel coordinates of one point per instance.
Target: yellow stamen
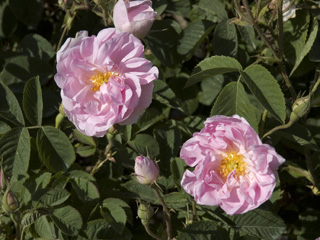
(100, 78)
(231, 161)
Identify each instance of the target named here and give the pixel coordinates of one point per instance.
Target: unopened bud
(146, 170)
(61, 115)
(299, 108)
(145, 213)
(9, 202)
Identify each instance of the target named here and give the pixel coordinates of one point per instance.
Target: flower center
(100, 78)
(232, 161)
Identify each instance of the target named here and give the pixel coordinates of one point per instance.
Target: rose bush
(104, 80)
(233, 169)
(135, 17)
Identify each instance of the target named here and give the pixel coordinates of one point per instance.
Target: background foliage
(214, 57)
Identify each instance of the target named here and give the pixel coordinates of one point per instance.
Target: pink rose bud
(135, 17)
(146, 170)
(233, 168)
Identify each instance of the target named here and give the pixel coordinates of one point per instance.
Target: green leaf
(4, 128)
(86, 151)
(162, 47)
(203, 230)
(10, 110)
(192, 36)
(32, 101)
(55, 197)
(225, 40)
(145, 144)
(114, 212)
(86, 190)
(19, 69)
(31, 216)
(35, 45)
(211, 87)
(164, 94)
(307, 46)
(44, 228)
(212, 66)
(248, 35)
(55, 149)
(260, 223)
(178, 167)
(314, 54)
(174, 200)
(68, 220)
(141, 191)
(83, 138)
(8, 23)
(15, 151)
(27, 12)
(81, 174)
(234, 100)
(149, 118)
(266, 90)
(209, 9)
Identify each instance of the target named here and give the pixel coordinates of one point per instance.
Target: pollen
(232, 161)
(100, 78)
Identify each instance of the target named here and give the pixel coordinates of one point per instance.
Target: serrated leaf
(164, 94)
(210, 9)
(86, 151)
(178, 166)
(266, 90)
(234, 100)
(225, 40)
(212, 66)
(4, 128)
(307, 46)
(174, 200)
(210, 87)
(192, 36)
(35, 45)
(81, 174)
(55, 149)
(141, 191)
(44, 228)
(31, 216)
(113, 211)
(83, 138)
(260, 223)
(145, 144)
(32, 101)
(15, 151)
(86, 190)
(148, 119)
(68, 220)
(55, 197)
(203, 230)
(10, 110)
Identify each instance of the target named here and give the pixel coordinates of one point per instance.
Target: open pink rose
(135, 17)
(146, 170)
(104, 80)
(233, 168)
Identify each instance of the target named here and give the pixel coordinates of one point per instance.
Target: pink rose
(104, 80)
(146, 170)
(233, 168)
(135, 17)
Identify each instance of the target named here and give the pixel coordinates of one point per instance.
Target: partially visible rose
(146, 170)
(104, 80)
(288, 13)
(135, 17)
(233, 168)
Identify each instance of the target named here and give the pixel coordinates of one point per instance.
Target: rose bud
(135, 17)
(146, 170)
(145, 212)
(9, 202)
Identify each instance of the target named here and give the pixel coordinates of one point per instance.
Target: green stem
(314, 176)
(152, 234)
(108, 155)
(167, 216)
(263, 121)
(15, 217)
(287, 125)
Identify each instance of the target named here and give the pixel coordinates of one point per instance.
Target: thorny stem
(271, 47)
(167, 216)
(152, 234)
(108, 155)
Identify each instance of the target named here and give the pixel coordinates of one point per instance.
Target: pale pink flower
(135, 17)
(104, 80)
(233, 168)
(146, 170)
